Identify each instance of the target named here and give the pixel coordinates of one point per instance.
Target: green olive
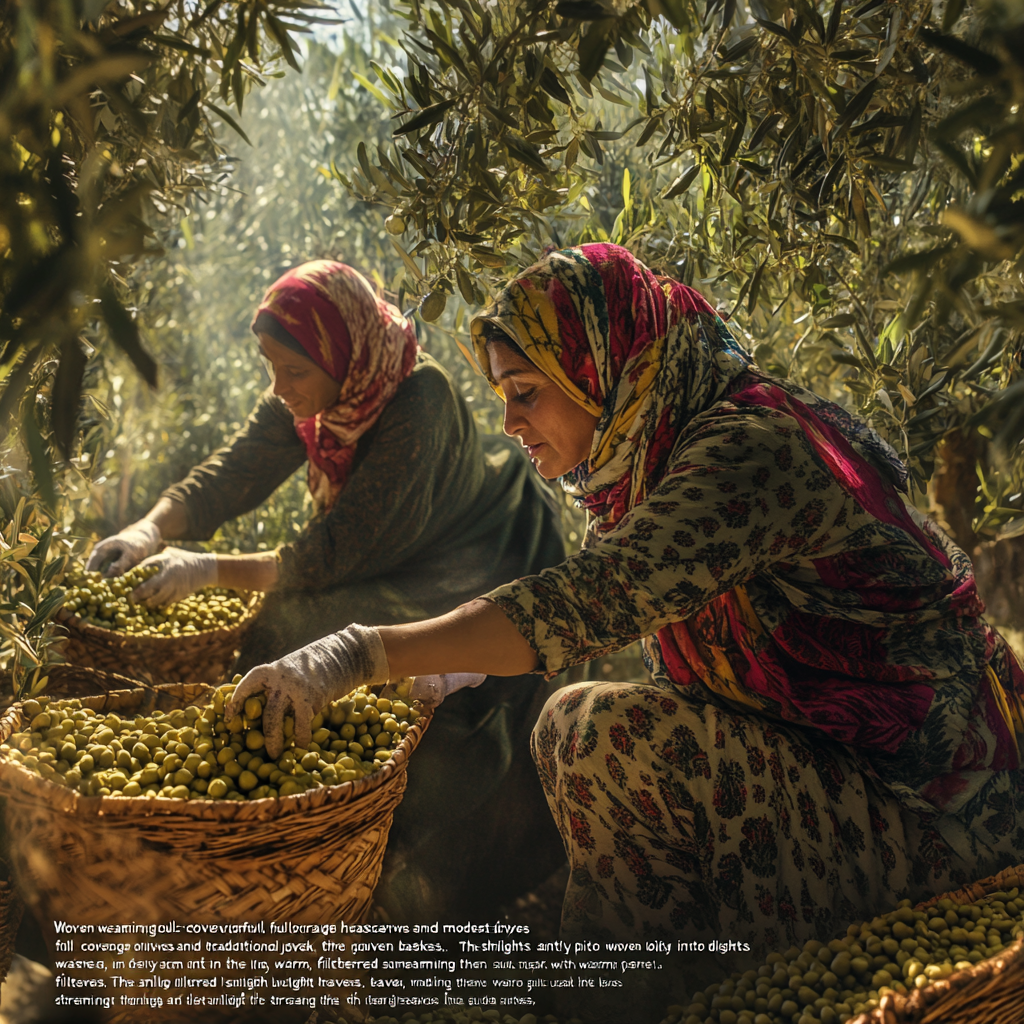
(217, 789)
(185, 754)
(109, 604)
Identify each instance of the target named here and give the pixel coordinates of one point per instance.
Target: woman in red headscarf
(413, 514)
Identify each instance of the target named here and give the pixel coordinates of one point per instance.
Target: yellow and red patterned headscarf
(642, 353)
(355, 337)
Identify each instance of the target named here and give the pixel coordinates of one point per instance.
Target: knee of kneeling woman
(570, 720)
(557, 720)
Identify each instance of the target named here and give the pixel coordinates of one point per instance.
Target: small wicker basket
(203, 657)
(990, 992)
(313, 858)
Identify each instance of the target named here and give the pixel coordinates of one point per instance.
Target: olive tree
(843, 180)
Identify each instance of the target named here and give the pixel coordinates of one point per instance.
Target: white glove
(127, 548)
(309, 679)
(181, 573)
(431, 690)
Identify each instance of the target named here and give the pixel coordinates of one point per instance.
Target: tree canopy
(845, 180)
(111, 115)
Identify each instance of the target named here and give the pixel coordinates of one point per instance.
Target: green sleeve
(240, 476)
(418, 474)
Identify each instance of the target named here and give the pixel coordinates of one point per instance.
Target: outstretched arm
(445, 653)
(475, 637)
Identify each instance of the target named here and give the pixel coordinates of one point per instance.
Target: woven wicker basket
(65, 681)
(313, 858)
(203, 657)
(990, 992)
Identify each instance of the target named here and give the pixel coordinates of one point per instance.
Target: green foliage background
(280, 206)
(844, 181)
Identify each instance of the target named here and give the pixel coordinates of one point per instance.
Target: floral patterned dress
(832, 725)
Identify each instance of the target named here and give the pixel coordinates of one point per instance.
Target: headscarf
(355, 337)
(645, 354)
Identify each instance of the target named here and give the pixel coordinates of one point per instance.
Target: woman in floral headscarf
(414, 513)
(831, 726)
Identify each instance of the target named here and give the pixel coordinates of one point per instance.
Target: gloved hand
(431, 690)
(308, 679)
(181, 573)
(127, 548)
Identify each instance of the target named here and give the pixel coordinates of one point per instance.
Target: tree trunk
(954, 485)
(999, 570)
(998, 565)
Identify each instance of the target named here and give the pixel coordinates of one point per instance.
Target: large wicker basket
(313, 858)
(65, 681)
(990, 992)
(203, 657)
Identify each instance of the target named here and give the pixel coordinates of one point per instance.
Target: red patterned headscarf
(642, 353)
(355, 337)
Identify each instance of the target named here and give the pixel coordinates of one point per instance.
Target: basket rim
(119, 681)
(18, 782)
(76, 624)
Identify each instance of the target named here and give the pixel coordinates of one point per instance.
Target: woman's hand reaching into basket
(308, 679)
(181, 573)
(436, 652)
(116, 555)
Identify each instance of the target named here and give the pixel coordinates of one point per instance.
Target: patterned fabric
(772, 567)
(355, 337)
(643, 353)
(685, 821)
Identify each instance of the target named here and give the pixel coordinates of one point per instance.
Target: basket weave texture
(310, 858)
(65, 681)
(203, 657)
(990, 992)
(68, 681)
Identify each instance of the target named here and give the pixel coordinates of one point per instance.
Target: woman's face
(298, 381)
(556, 432)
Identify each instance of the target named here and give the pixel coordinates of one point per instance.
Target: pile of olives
(195, 754)
(108, 603)
(825, 983)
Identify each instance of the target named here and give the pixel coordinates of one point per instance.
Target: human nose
(514, 422)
